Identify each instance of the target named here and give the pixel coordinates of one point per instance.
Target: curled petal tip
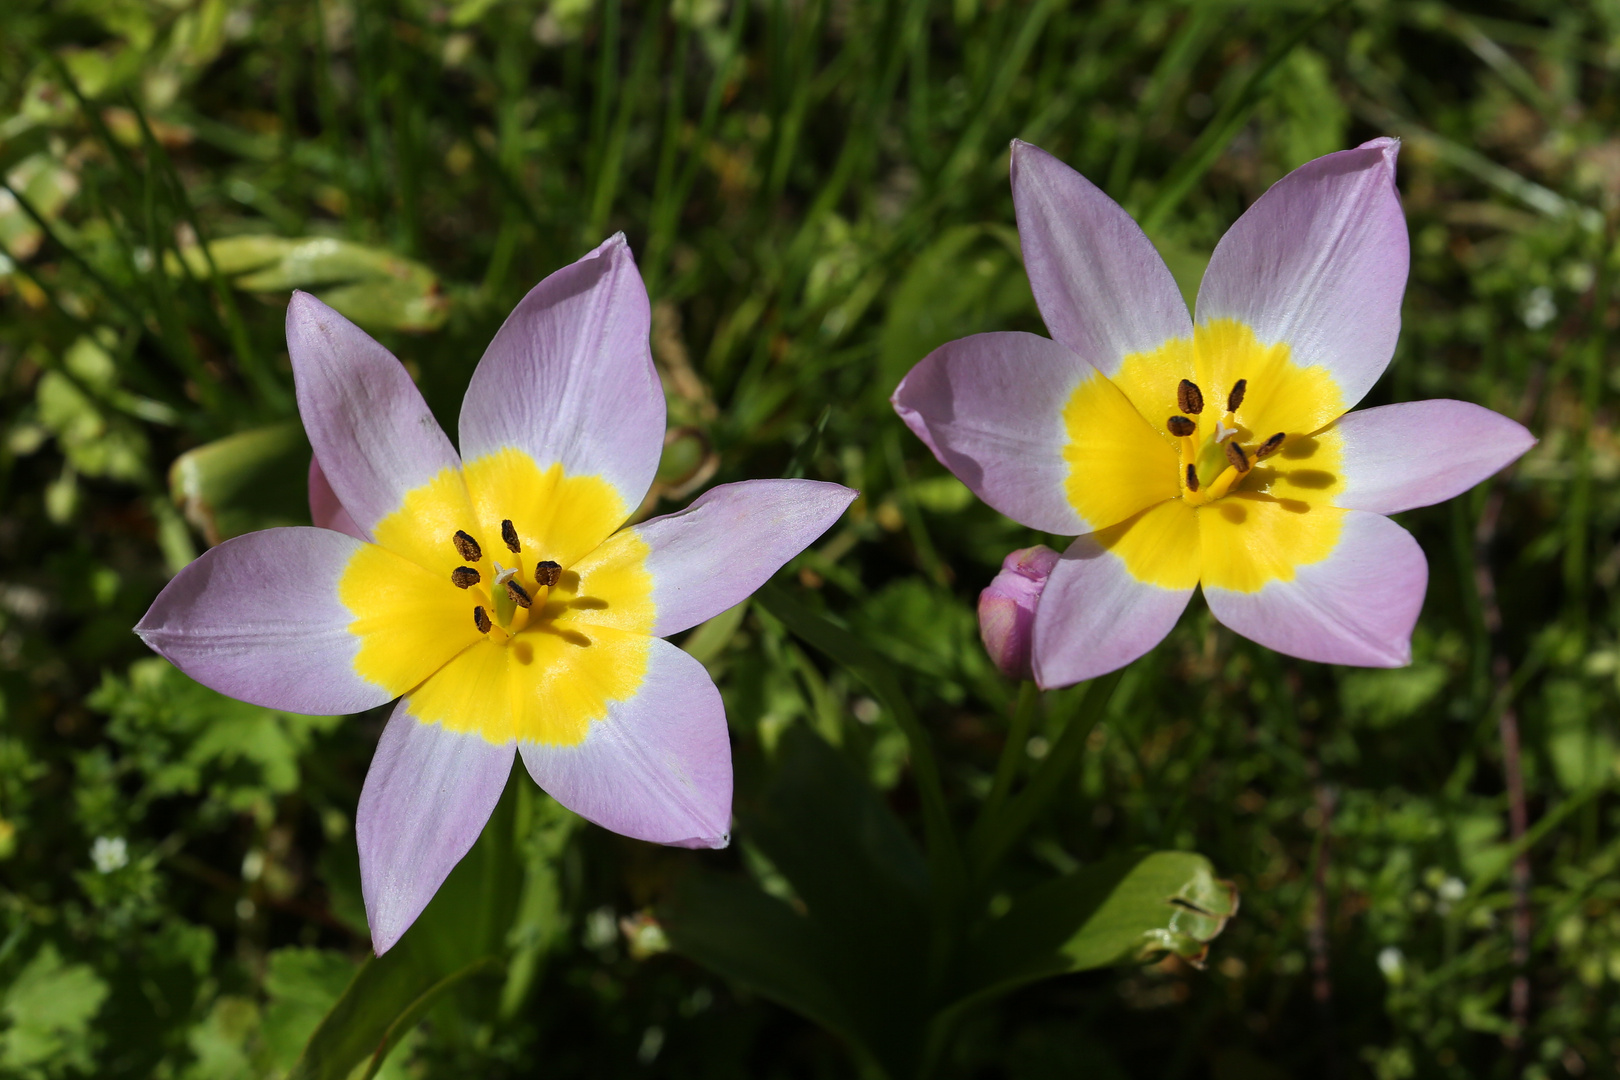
(1007, 609)
(1389, 144)
(712, 843)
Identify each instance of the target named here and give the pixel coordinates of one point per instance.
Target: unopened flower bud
(1007, 609)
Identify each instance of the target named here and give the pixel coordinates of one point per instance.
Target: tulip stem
(1012, 752)
(991, 838)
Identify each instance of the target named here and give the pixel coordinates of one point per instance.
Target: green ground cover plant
(816, 194)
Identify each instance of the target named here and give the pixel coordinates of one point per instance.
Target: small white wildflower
(1539, 309)
(109, 853)
(1392, 962)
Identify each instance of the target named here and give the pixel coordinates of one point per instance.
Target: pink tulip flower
(1007, 609)
(493, 591)
(1214, 450)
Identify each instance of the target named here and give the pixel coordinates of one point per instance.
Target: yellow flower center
(499, 600)
(1211, 459)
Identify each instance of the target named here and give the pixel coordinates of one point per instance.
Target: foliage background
(816, 191)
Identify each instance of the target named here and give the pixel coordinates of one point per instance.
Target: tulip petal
(1115, 594)
(427, 796)
(569, 378)
(1319, 263)
(1418, 453)
(325, 509)
(374, 435)
(1098, 280)
(991, 408)
(716, 552)
(658, 768)
(1357, 606)
(259, 618)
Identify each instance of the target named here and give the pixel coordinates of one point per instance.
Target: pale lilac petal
(370, 428)
(658, 767)
(1007, 609)
(259, 618)
(1319, 262)
(1098, 281)
(569, 377)
(325, 510)
(716, 552)
(1358, 606)
(1418, 453)
(427, 796)
(1096, 614)
(990, 407)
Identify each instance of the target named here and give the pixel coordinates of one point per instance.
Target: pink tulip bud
(1007, 609)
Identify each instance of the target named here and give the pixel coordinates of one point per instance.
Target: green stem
(990, 842)
(1029, 695)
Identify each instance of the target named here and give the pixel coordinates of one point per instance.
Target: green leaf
(373, 286)
(733, 928)
(1117, 911)
(857, 961)
(251, 480)
(48, 1010)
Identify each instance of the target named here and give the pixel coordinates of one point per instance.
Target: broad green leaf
(1122, 910)
(857, 960)
(733, 928)
(251, 480)
(374, 287)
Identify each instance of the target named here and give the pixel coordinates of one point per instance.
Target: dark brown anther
(547, 573)
(1235, 398)
(1181, 427)
(509, 534)
(1270, 446)
(1192, 478)
(1235, 454)
(515, 591)
(463, 576)
(467, 547)
(1189, 399)
(481, 620)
